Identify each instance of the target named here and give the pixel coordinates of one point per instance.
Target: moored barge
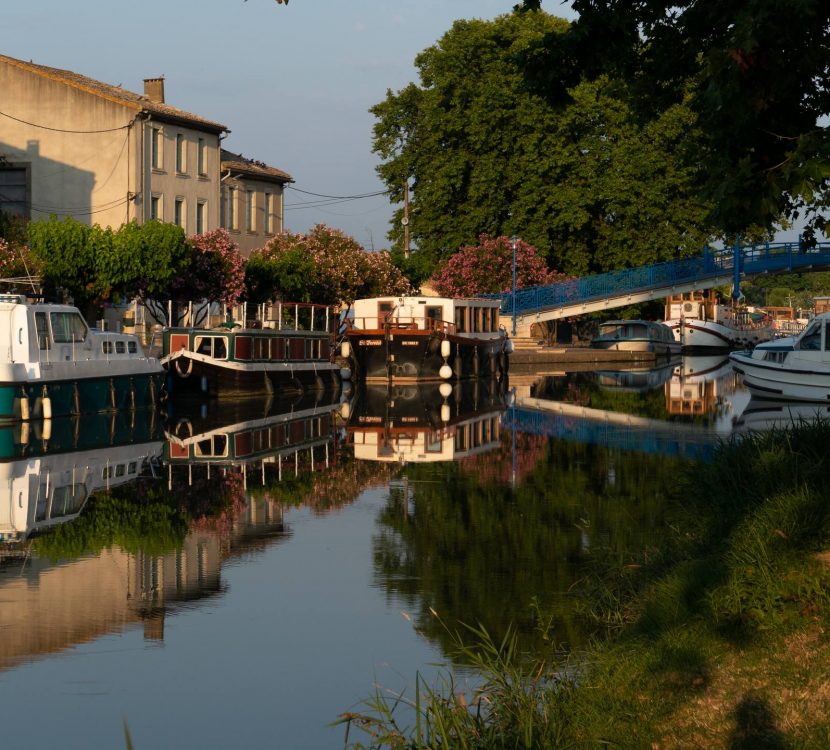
(288, 348)
(411, 339)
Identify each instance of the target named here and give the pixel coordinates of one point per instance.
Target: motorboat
(796, 368)
(636, 336)
(700, 322)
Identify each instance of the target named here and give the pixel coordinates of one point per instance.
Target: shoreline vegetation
(715, 637)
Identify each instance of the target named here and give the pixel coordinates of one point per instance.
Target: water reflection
(761, 415)
(426, 422)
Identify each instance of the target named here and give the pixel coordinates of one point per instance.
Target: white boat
(636, 336)
(56, 365)
(762, 416)
(699, 322)
(410, 339)
(796, 368)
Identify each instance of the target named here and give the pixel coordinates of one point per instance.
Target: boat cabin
(456, 316)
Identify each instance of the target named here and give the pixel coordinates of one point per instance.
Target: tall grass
(737, 569)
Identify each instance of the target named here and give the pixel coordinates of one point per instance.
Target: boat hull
(405, 356)
(660, 348)
(693, 333)
(45, 398)
(207, 376)
(787, 381)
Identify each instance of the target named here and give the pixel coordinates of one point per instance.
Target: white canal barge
(53, 364)
(411, 339)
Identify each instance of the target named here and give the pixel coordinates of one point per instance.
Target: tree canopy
(755, 75)
(585, 183)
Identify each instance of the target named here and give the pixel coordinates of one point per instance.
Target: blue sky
(293, 83)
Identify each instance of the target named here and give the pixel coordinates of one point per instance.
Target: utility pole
(405, 220)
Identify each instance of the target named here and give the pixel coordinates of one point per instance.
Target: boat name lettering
(370, 342)
(409, 343)
(370, 419)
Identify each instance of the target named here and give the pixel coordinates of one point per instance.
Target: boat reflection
(276, 435)
(761, 415)
(49, 468)
(699, 386)
(638, 380)
(426, 422)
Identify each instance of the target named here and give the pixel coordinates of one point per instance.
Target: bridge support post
(736, 282)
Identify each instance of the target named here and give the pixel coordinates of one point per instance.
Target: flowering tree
(325, 266)
(214, 271)
(487, 268)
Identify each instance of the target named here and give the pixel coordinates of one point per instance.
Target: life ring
(180, 371)
(184, 424)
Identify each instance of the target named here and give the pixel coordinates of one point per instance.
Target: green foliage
(149, 524)
(145, 258)
(64, 249)
(754, 74)
(584, 184)
(286, 275)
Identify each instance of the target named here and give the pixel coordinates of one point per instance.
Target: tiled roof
(139, 102)
(238, 163)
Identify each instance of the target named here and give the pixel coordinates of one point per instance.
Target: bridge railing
(767, 257)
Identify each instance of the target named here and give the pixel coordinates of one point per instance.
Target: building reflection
(49, 603)
(423, 423)
(699, 386)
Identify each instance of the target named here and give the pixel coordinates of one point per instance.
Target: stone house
(74, 146)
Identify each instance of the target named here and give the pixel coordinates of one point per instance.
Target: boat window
(67, 327)
(212, 346)
(384, 312)
(106, 347)
(120, 348)
(459, 320)
(827, 335)
(811, 339)
(132, 348)
(433, 313)
(42, 330)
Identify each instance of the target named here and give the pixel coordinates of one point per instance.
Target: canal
(241, 574)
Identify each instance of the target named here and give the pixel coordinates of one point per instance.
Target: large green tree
(755, 74)
(582, 182)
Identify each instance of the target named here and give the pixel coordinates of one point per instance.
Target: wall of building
(251, 228)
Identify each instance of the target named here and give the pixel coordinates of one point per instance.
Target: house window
(232, 208)
(201, 158)
(268, 209)
(181, 164)
(155, 207)
(201, 211)
(249, 210)
(178, 212)
(156, 148)
(13, 191)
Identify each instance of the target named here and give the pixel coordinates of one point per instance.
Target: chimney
(154, 89)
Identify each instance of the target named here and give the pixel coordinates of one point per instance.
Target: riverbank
(716, 637)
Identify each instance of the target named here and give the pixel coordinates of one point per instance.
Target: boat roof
(428, 299)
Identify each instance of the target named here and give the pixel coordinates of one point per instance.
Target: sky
(293, 83)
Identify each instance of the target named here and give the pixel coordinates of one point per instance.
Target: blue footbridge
(606, 291)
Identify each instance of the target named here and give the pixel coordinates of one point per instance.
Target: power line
(62, 130)
(339, 197)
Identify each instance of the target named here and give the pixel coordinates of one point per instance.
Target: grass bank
(718, 636)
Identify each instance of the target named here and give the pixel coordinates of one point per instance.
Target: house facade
(252, 200)
(74, 146)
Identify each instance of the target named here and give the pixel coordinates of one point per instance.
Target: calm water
(242, 575)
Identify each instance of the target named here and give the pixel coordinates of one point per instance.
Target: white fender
(445, 372)
(446, 348)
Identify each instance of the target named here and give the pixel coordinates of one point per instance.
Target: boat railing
(290, 316)
(380, 323)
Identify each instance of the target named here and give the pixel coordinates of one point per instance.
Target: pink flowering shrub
(216, 271)
(335, 268)
(487, 268)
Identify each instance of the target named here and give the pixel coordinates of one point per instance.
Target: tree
(755, 75)
(487, 268)
(588, 187)
(324, 266)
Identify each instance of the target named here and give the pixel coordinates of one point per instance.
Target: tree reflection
(463, 542)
